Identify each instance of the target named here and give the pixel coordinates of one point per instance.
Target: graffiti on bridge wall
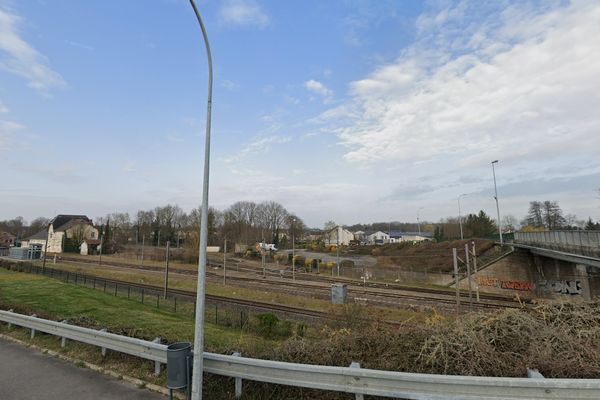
(504, 284)
(572, 288)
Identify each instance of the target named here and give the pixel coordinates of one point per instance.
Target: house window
(93, 235)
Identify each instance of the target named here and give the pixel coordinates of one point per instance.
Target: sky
(353, 111)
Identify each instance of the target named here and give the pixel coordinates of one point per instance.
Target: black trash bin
(179, 356)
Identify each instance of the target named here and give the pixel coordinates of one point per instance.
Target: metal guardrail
(569, 238)
(351, 379)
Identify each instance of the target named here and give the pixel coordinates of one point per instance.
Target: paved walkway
(27, 374)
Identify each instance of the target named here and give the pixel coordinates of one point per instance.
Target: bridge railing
(573, 239)
(352, 379)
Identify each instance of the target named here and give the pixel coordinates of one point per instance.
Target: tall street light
(497, 207)
(460, 216)
(293, 251)
(198, 365)
(418, 220)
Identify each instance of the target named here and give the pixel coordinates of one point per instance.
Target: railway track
(403, 296)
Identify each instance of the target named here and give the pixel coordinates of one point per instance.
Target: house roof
(400, 233)
(43, 234)
(60, 221)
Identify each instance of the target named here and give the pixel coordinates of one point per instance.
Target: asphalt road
(27, 374)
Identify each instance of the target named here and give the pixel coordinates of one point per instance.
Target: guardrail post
(33, 330)
(358, 396)
(534, 374)
(156, 363)
(63, 340)
(9, 324)
(103, 348)
(238, 381)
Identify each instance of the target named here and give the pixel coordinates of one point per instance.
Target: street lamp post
(460, 216)
(198, 364)
(497, 206)
(293, 252)
(418, 220)
(337, 248)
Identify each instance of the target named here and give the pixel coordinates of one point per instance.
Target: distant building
(90, 247)
(37, 239)
(399, 236)
(378, 237)
(338, 235)
(62, 229)
(7, 240)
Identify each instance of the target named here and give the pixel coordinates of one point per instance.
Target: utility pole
(419, 220)
(262, 253)
(143, 242)
(456, 280)
(474, 254)
(293, 252)
(167, 269)
(337, 248)
(225, 263)
(469, 276)
(460, 217)
(101, 248)
(497, 206)
(46, 250)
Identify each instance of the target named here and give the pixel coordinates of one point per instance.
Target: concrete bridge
(552, 264)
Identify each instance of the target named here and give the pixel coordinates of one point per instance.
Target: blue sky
(352, 111)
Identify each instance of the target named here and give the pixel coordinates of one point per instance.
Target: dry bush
(561, 340)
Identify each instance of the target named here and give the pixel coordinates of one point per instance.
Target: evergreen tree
(480, 225)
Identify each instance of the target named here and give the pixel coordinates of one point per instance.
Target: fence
(216, 312)
(585, 243)
(351, 379)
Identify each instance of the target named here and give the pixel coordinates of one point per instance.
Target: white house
(37, 239)
(338, 235)
(378, 237)
(76, 228)
(90, 246)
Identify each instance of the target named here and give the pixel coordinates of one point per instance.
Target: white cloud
(229, 85)
(3, 108)
(130, 166)
(514, 83)
(20, 58)
(243, 13)
(8, 129)
(319, 89)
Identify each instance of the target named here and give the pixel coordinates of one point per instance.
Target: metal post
(293, 252)
(497, 206)
(469, 276)
(357, 396)
(238, 381)
(198, 365)
(46, 249)
(455, 259)
(103, 348)
(225, 263)
(143, 243)
(156, 363)
(101, 248)
(475, 271)
(337, 248)
(460, 217)
(167, 269)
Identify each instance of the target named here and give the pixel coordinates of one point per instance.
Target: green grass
(58, 300)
